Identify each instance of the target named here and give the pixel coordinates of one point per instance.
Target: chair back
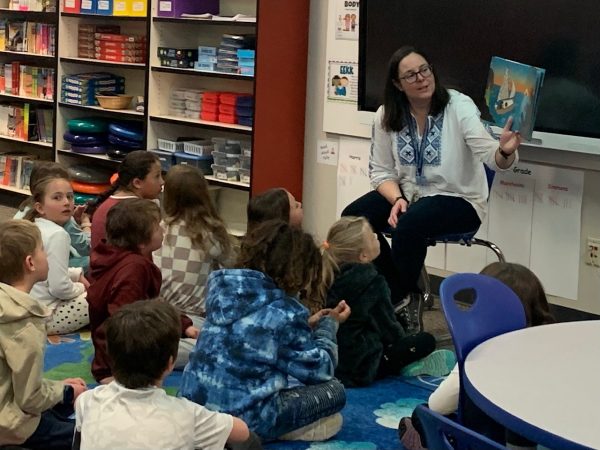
(495, 310)
(444, 434)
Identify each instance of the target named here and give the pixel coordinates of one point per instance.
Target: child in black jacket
(372, 343)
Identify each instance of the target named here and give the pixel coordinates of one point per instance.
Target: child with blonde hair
(65, 289)
(196, 241)
(257, 335)
(372, 343)
(35, 410)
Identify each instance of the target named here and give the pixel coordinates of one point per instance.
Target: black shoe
(410, 313)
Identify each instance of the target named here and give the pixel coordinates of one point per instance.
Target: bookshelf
(278, 87)
(71, 63)
(27, 59)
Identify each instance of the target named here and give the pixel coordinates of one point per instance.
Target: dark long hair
(396, 107)
(136, 164)
(528, 288)
(269, 205)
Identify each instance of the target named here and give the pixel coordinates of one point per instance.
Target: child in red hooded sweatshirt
(122, 272)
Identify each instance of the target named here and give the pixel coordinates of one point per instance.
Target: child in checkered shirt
(196, 241)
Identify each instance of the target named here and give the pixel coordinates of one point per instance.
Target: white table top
(540, 382)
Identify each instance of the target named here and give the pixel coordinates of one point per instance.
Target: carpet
(371, 414)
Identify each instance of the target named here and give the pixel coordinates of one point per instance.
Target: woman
(428, 147)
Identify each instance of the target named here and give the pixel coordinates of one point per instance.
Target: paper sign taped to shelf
(327, 152)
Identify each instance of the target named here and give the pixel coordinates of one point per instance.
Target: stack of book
(81, 89)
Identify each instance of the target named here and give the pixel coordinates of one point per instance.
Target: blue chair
(467, 239)
(495, 310)
(444, 434)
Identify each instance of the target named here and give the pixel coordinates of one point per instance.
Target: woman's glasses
(424, 71)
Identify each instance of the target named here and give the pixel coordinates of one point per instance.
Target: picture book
(513, 90)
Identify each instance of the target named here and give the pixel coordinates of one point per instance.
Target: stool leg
(427, 296)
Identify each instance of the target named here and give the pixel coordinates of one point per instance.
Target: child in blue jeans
(257, 335)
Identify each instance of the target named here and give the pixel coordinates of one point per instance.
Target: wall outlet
(592, 252)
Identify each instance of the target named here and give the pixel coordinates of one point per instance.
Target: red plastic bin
(205, 115)
(228, 118)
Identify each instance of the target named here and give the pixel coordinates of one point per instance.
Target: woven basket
(120, 101)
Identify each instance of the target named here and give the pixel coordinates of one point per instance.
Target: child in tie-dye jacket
(257, 336)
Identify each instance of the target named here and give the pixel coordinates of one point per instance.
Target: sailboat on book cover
(512, 91)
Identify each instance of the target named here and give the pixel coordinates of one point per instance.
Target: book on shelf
(15, 169)
(208, 16)
(513, 90)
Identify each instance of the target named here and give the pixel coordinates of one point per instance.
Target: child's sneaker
(437, 364)
(409, 313)
(320, 430)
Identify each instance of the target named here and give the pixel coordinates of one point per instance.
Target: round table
(541, 382)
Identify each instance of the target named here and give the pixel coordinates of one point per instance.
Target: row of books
(15, 169)
(27, 81)
(29, 37)
(32, 5)
(21, 121)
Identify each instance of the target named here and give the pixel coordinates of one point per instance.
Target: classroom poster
(346, 20)
(353, 171)
(342, 79)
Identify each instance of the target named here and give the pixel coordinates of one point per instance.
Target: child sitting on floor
(372, 343)
(257, 335)
(79, 227)
(196, 241)
(34, 410)
(274, 204)
(139, 176)
(133, 411)
(444, 399)
(65, 289)
(122, 272)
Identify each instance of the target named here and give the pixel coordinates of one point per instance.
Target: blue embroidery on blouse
(432, 152)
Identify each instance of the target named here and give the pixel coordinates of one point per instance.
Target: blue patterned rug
(371, 414)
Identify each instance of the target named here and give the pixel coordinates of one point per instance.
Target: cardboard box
(72, 6)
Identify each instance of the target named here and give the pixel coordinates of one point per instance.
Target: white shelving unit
(232, 197)
(70, 63)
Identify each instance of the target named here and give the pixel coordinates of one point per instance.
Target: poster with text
(342, 82)
(346, 20)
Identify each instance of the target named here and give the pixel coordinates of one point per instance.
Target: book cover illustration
(513, 90)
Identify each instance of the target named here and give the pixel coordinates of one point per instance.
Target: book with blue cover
(513, 90)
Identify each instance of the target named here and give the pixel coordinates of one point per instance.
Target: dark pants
(407, 350)
(303, 405)
(427, 218)
(55, 431)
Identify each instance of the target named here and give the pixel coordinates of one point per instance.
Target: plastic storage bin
(202, 147)
(225, 173)
(220, 158)
(201, 162)
(169, 146)
(245, 162)
(166, 159)
(244, 175)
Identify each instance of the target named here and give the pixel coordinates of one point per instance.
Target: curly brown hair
(289, 256)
